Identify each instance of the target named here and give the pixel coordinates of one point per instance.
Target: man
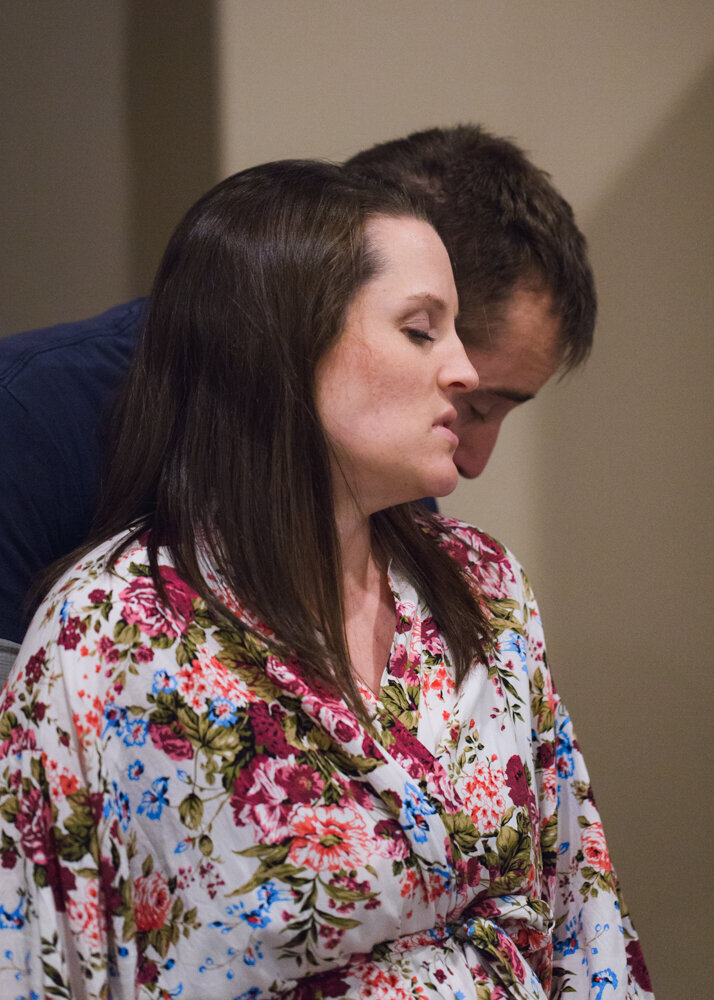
(527, 310)
(527, 300)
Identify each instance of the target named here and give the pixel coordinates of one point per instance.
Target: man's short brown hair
(503, 223)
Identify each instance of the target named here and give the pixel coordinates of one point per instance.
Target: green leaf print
(191, 811)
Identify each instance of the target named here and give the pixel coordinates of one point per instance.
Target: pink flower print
(486, 559)
(152, 901)
(285, 676)
(359, 793)
(391, 841)
(472, 872)
(19, 739)
(267, 728)
(517, 782)
(34, 666)
(211, 878)
(457, 550)
(508, 949)
(483, 795)
(107, 650)
(595, 848)
(405, 613)
(172, 739)
(440, 786)
(259, 798)
(375, 981)
(62, 782)
(549, 784)
(71, 633)
(193, 684)
(549, 695)
(143, 608)
(34, 824)
(636, 965)
(415, 642)
(412, 754)
(97, 596)
(334, 717)
(300, 782)
(438, 679)
(352, 884)
(398, 661)
(431, 640)
(86, 917)
(327, 838)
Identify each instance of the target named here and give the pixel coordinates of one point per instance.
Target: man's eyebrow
(509, 394)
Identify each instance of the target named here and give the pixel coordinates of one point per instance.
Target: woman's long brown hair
(217, 443)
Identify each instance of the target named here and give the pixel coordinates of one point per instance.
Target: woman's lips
(444, 430)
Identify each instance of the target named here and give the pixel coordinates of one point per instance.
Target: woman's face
(385, 390)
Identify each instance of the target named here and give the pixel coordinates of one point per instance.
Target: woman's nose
(459, 373)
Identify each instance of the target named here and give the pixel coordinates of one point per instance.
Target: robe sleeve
(54, 875)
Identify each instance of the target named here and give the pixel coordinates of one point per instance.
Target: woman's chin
(443, 485)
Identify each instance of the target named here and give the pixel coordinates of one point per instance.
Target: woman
(210, 783)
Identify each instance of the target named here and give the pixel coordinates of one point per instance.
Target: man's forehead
(527, 310)
(516, 346)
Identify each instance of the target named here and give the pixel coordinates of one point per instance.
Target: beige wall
(602, 486)
(108, 117)
(64, 170)
(626, 517)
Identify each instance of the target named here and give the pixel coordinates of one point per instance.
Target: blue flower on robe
(564, 760)
(416, 809)
(568, 943)
(115, 716)
(14, 919)
(153, 800)
(135, 770)
(259, 916)
(511, 642)
(120, 806)
(163, 683)
(135, 732)
(132, 730)
(602, 979)
(222, 712)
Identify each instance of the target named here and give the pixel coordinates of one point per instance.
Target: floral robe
(181, 814)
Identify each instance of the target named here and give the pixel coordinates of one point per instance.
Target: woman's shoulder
(105, 566)
(489, 563)
(109, 587)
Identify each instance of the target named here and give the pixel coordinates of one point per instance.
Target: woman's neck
(368, 601)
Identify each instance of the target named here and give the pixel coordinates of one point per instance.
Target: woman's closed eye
(419, 335)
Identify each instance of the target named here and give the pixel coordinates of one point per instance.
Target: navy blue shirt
(56, 389)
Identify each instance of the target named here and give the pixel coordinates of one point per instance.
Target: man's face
(514, 356)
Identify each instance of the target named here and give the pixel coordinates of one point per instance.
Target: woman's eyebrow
(428, 297)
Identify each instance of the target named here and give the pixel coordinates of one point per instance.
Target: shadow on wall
(171, 120)
(627, 512)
